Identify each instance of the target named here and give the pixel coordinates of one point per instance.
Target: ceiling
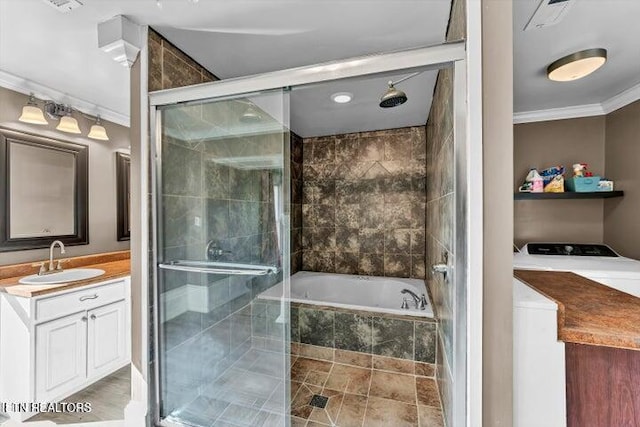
(610, 24)
(230, 38)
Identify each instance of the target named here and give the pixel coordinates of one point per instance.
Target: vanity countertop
(588, 312)
(115, 265)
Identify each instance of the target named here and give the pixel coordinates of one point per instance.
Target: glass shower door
(222, 203)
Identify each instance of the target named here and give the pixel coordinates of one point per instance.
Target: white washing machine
(539, 359)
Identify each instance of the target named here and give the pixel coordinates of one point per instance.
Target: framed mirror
(123, 181)
(43, 191)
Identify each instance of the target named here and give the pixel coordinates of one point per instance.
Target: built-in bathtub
(351, 313)
(368, 293)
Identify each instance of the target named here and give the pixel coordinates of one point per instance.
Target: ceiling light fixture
(577, 65)
(393, 96)
(32, 114)
(342, 97)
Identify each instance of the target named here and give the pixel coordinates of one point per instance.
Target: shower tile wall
(363, 208)
(296, 149)
(440, 211)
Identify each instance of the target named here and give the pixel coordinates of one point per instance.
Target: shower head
(392, 97)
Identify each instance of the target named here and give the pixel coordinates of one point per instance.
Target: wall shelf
(568, 195)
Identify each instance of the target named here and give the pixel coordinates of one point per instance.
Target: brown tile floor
(361, 396)
(108, 398)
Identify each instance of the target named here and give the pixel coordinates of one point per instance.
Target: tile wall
(440, 213)
(400, 337)
(363, 208)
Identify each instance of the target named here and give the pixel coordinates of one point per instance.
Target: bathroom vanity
(58, 339)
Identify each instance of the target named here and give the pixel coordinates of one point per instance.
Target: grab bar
(219, 268)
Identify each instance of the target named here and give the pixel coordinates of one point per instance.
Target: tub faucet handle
(405, 304)
(423, 302)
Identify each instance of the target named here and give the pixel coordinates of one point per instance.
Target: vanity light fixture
(98, 131)
(342, 97)
(31, 113)
(577, 65)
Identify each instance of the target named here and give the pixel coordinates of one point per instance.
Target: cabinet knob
(83, 318)
(93, 317)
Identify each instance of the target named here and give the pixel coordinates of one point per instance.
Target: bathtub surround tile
(353, 332)
(393, 338)
(426, 337)
(316, 327)
(370, 188)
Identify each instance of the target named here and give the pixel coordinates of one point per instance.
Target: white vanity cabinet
(54, 345)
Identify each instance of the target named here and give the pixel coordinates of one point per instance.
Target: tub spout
(415, 297)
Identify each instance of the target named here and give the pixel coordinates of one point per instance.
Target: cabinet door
(61, 356)
(107, 338)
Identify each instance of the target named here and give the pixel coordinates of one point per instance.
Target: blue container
(583, 184)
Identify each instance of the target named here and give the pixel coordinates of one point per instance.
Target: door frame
(468, 179)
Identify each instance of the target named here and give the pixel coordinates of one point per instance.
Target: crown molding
(588, 110)
(622, 99)
(24, 86)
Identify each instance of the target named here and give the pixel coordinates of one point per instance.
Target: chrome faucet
(58, 268)
(420, 302)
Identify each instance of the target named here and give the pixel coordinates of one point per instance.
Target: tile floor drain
(319, 401)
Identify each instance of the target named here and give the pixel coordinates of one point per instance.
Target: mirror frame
(81, 196)
(123, 191)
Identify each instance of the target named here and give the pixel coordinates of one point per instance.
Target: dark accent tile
(372, 240)
(324, 150)
(371, 264)
(398, 146)
(347, 239)
(417, 242)
(372, 215)
(353, 332)
(425, 342)
(295, 326)
(346, 149)
(397, 215)
(393, 338)
(397, 241)
(322, 239)
(371, 148)
(347, 262)
(316, 327)
(348, 215)
(347, 192)
(418, 267)
(397, 265)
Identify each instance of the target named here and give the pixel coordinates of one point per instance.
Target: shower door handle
(219, 268)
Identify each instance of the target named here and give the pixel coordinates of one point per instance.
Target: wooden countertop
(115, 265)
(588, 312)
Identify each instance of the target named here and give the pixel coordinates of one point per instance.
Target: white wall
(102, 178)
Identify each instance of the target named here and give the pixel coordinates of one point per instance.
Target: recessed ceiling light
(577, 65)
(342, 97)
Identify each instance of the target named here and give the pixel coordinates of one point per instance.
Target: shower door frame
(468, 237)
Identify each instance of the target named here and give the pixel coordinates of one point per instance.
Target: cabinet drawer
(84, 299)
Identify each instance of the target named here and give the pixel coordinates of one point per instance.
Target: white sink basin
(63, 277)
